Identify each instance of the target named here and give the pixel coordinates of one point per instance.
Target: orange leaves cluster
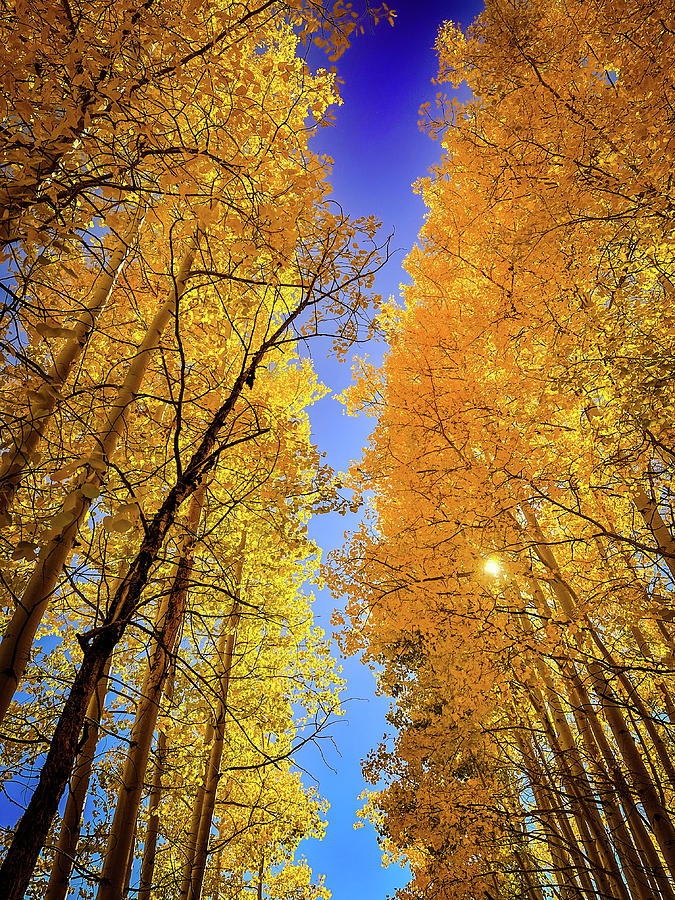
(521, 521)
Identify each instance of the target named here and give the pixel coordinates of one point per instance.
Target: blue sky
(378, 153)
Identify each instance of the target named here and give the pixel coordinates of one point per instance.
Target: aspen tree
(47, 392)
(643, 842)
(212, 774)
(540, 291)
(18, 638)
(192, 834)
(152, 828)
(72, 818)
(643, 783)
(170, 617)
(199, 116)
(558, 833)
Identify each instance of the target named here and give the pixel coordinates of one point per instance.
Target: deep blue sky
(378, 153)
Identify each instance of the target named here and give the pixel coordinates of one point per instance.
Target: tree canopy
(167, 241)
(169, 249)
(513, 576)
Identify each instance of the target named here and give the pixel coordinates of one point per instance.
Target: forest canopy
(513, 578)
(167, 241)
(170, 250)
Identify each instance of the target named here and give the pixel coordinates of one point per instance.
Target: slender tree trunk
(129, 868)
(79, 786)
(216, 880)
(219, 863)
(15, 461)
(659, 820)
(652, 519)
(607, 792)
(562, 843)
(640, 709)
(667, 636)
(591, 828)
(650, 514)
(33, 827)
(533, 889)
(635, 629)
(581, 847)
(662, 826)
(213, 771)
(564, 745)
(20, 633)
(261, 872)
(632, 814)
(169, 620)
(584, 714)
(152, 830)
(645, 650)
(195, 818)
(198, 805)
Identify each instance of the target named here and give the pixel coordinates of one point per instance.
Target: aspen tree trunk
(33, 827)
(219, 866)
(636, 631)
(667, 636)
(584, 715)
(15, 461)
(665, 607)
(636, 700)
(261, 872)
(533, 889)
(583, 702)
(559, 855)
(562, 843)
(564, 745)
(591, 853)
(71, 823)
(652, 862)
(623, 844)
(213, 771)
(598, 848)
(198, 805)
(20, 633)
(662, 826)
(582, 848)
(79, 787)
(650, 514)
(193, 831)
(605, 884)
(152, 830)
(130, 862)
(588, 858)
(652, 519)
(169, 619)
(645, 650)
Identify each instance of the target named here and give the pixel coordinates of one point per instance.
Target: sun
(491, 567)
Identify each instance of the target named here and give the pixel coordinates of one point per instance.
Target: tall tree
(167, 238)
(514, 579)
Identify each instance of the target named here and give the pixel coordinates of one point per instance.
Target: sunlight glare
(492, 567)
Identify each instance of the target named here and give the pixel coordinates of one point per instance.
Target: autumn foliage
(513, 578)
(167, 239)
(168, 246)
